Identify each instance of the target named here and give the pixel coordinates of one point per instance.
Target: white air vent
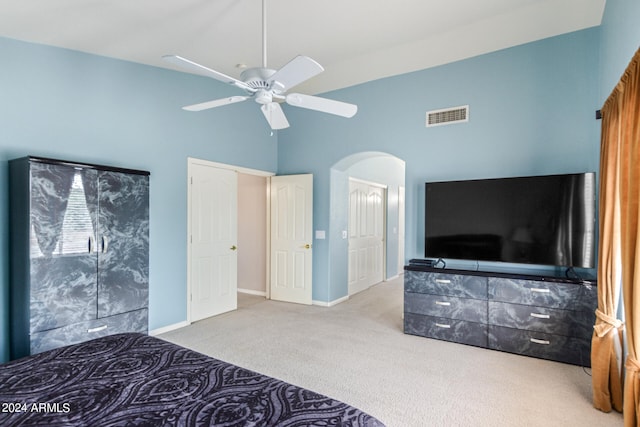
(448, 116)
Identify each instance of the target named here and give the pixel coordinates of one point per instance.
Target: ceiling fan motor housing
(257, 78)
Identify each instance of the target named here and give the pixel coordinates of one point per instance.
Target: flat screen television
(543, 220)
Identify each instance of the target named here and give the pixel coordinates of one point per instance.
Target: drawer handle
(445, 281)
(543, 342)
(98, 329)
(541, 290)
(540, 316)
(442, 325)
(445, 303)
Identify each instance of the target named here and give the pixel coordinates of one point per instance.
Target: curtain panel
(630, 214)
(619, 248)
(606, 354)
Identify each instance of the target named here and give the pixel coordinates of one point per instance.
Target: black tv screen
(544, 220)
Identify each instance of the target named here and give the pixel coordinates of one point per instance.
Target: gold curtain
(607, 339)
(630, 214)
(620, 213)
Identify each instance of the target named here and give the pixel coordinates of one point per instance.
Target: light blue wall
(69, 105)
(620, 40)
(532, 111)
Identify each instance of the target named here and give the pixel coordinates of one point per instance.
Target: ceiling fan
(268, 87)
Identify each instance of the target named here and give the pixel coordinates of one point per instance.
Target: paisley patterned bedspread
(138, 380)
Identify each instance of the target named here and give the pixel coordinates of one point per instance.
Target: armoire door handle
(105, 244)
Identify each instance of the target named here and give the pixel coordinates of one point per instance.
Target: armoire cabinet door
(63, 260)
(123, 237)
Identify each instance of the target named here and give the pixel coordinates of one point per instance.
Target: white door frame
(193, 161)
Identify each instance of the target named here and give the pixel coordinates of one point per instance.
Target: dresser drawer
(577, 297)
(572, 350)
(459, 331)
(542, 319)
(457, 285)
(133, 321)
(445, 306)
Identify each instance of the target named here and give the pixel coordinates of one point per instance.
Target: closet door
(123, 242)
(366, 235)
(63, 264)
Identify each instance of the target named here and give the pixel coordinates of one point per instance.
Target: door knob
(307, 246)
(233, 248)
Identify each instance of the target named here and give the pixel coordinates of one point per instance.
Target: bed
(137, 380)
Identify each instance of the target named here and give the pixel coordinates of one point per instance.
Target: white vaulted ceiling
(355, 40)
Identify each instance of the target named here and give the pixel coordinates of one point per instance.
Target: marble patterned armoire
(79, 244)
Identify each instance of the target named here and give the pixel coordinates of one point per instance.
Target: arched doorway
(376, 167)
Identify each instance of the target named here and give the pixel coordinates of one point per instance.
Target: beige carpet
(356, 352)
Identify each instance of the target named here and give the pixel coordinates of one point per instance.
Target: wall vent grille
(448, 116)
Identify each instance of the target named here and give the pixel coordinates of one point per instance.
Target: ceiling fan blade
(215, 103)
(202, 70)
(325, 105)
(296, 71)
(274, 115)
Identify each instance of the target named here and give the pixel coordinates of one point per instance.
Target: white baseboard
(330, 303)
(252, 292)
(168, 328)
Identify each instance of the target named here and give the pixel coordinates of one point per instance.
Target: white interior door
(213, 240)
(291, 199)
(366, 235)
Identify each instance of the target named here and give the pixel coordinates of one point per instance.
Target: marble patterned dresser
(545, 317)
